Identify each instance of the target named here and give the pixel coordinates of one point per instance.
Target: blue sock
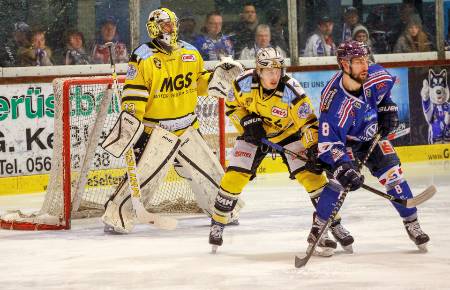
(402, 191)
(327, 201)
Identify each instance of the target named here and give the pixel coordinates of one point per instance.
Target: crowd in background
(407, 35)
(241, 39)
(28, 47)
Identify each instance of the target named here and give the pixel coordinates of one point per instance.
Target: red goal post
(81, 121)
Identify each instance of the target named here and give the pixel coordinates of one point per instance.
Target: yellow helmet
(157, 19)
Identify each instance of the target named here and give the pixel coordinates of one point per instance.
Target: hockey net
(83, 175)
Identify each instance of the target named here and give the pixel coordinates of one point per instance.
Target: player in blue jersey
(355, 105)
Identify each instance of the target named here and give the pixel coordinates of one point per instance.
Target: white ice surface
(257, 254)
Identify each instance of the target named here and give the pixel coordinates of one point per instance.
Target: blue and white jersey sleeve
(380, 84)
(336, 118)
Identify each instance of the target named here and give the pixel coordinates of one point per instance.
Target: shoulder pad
(293, 91)
(186, 45)
(244, 81)
(142, 52)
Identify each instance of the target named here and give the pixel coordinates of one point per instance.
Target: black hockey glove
(253, 129)
(313, 164)
(348, 176)
(387, 118)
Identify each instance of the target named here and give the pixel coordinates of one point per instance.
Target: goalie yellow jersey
(285, 111)
(162, 88)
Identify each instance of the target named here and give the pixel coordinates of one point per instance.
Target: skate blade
(214, 249)
(321, 251)
(112, 231)
(423, 248)
(348, 249)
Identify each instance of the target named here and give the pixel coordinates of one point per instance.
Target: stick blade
(422, 197)
(300, 261)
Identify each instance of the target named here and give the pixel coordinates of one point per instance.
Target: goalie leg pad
(152, 167)
(118, 216)
(200, 167)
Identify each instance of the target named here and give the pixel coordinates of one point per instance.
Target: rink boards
(38, 183)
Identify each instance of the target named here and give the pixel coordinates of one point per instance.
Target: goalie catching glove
(123, 135)
(225, 72)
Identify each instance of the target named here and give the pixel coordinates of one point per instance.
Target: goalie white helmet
(163, 25)
(269, 58)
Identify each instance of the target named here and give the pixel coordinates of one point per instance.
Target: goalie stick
(142, 214)
(409, 203)
(301, 261)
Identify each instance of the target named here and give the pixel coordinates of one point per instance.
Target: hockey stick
(410, 202)
(301, 261)
(398, 134)
(142, 214)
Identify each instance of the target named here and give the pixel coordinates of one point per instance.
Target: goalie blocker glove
(253, 129)
(348, 176)
(388, 119)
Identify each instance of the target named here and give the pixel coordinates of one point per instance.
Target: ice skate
(215, 235)
(416, 234)
(342, 236)
(326, 246)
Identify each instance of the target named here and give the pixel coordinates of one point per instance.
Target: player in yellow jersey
(164, 78)
(266, 103)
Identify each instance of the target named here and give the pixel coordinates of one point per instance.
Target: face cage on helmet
(154, 29)
(270, 63)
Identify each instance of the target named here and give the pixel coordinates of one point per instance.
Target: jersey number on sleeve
(325, 129)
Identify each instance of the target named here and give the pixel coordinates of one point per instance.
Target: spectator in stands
(212, 44)
(407, 11)
(262, 40)
(361, 34)
(321, 42)
(279, 35)
(108, 33)
(75, 52)
(413, 39)
(21, 38)
(36, 55)
(187, 27)
(351, 19)
(244, 31)
(375, 18)
(378, 27)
